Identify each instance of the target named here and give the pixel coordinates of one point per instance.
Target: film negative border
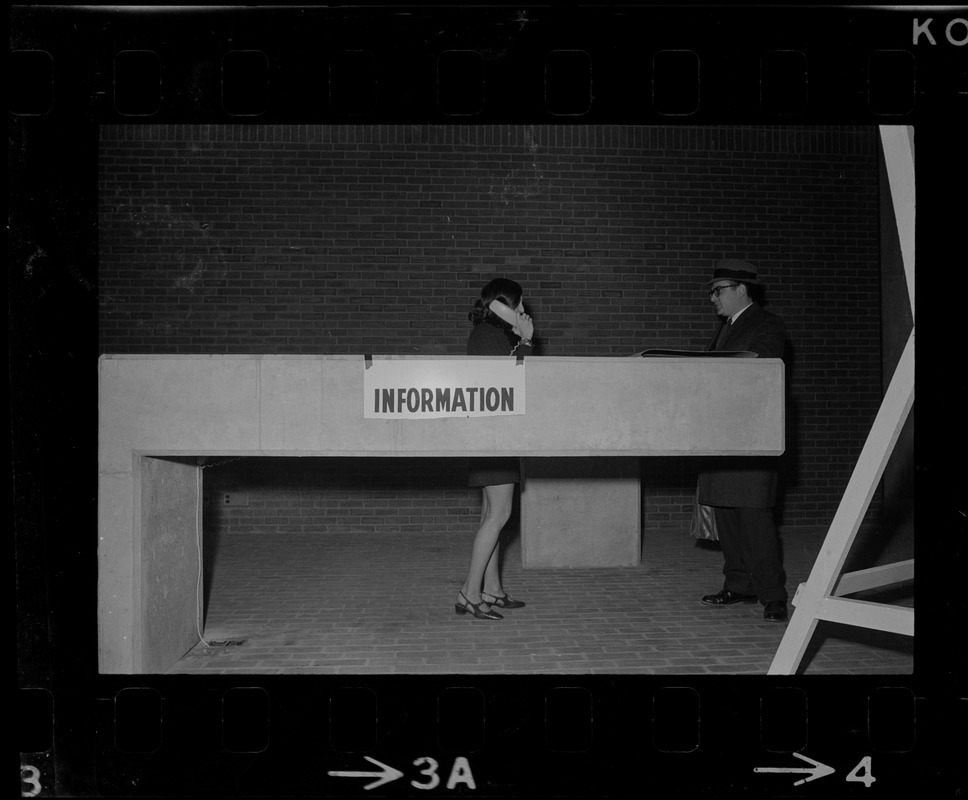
(545, 737)
(753, 64)
(81, 733)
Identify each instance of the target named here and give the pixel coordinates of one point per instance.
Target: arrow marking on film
(818, 770)
(385, 775)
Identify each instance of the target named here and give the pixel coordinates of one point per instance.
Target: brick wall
(321, 495)
(350, 239)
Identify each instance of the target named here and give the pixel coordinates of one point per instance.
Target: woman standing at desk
(501, 329)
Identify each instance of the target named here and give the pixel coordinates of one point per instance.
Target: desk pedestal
(581, 512)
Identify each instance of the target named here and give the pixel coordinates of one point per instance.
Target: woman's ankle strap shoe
(501, 601)
(467, 607)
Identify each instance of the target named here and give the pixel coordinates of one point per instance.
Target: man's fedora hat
(734, 269)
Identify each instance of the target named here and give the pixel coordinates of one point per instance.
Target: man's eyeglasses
(715, 292)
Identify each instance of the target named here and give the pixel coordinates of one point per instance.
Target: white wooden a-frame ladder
(822, 597)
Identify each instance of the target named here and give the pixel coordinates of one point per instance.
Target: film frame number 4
(862, 773)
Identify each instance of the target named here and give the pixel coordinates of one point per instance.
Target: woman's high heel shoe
(502, 601)
(475, 609)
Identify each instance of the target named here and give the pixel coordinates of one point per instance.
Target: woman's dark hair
(504, 289)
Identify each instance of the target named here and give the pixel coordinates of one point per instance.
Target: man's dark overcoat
(742, 481)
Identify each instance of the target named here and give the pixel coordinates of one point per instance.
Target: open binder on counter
(692, 353)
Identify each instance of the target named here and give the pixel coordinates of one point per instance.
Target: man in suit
(743, 490)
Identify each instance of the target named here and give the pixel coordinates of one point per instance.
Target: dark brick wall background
(349, 239)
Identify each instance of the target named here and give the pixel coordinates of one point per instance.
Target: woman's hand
(524, 326)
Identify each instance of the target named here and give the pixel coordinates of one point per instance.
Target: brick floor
(384, 603)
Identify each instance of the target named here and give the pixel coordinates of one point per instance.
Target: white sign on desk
(431, 389)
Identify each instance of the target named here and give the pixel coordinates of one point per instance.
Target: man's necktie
(723, 331)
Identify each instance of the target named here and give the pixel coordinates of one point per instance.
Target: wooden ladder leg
(833, 553)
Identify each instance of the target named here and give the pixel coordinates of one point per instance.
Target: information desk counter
(581, 425)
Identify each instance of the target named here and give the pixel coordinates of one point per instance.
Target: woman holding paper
(501, 328)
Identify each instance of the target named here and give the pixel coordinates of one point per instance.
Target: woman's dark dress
(491, 339)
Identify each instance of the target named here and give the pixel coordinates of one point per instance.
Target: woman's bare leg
(492, 572)
(495, 512)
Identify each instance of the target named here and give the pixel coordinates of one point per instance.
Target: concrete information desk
(582, 425)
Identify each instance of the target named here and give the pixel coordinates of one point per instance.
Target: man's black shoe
(727, 598)
(775, 611)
